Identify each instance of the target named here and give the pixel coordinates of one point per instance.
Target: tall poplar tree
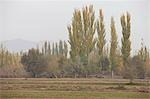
(81, 32)
(101, 36)
(81, 37)
(60, 47)
(49, 48)
(56, 48)
(65, 49)
(45, 47)
(75, 35)
(126, 44)
(53, 49)
(113, 47)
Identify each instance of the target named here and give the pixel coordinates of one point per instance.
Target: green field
(67, 88)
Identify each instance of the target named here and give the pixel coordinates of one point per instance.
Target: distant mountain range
(17, 45)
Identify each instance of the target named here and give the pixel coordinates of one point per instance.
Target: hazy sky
(38, 20)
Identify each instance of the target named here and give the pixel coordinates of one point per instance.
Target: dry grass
(68, 88)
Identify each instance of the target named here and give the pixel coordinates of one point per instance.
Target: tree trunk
(131, 80)
(86, 75)
(112, 73)
(75, 75)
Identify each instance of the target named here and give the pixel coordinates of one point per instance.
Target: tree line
(88, 54)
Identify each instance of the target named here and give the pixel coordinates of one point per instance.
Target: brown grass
(32, 87)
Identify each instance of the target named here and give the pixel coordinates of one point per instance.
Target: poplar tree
(126, 44)
(143, 54)
(65, 49)
(113, 47)
(49, 48)
(53, 49)
(75, 35)
(45, 47)
(60, 47)
(81, 32)
(56, 49)
(2, 55)
(88, 28)
(101, 35)
(81, 37)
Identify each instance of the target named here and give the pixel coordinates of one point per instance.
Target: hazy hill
(17, 45)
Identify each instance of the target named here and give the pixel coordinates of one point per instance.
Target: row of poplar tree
(87, 54)
(10, 65)
(83, 41)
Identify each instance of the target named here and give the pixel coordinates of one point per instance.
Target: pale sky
(38, 20)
